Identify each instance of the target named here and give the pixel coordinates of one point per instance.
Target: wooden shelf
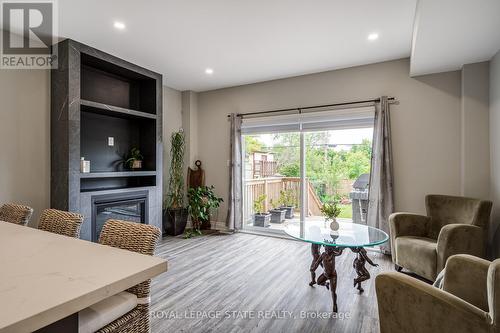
(116, 111)
(117, 174)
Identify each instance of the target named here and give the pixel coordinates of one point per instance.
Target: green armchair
(467, 303)
(453, 225)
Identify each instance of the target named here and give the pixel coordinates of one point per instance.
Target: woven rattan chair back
(140, 238)
(61, 222)
(14, 213)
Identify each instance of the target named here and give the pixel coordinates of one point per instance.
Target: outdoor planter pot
(261, 220)
(277, 215)
(174, 221)
(289, 212)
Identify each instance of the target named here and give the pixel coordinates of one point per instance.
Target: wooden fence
(271, 187)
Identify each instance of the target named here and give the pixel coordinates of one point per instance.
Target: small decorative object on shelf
(84, 165)
(331, 211)
(134, 160)
(260, 217)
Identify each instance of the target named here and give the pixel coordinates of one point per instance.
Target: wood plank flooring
(250, 283)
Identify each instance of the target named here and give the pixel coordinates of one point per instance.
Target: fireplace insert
(129, 206)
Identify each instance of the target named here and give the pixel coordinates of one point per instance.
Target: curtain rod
(376, 100)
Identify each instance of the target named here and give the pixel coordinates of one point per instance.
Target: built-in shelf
(116, 111)
(117, 174)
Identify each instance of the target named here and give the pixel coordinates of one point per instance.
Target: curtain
(234, 219)
(381, 201)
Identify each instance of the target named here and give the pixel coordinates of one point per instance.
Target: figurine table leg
(315, 263)
(329, 277)
(359, 266)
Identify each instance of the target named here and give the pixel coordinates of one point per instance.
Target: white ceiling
(258, 40)
(451, 33)
(243, 41)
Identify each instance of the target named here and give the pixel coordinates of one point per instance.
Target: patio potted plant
(175, 214)
(201, 202)
(260, 217)
(134, 159)
(331, 211)
(287, 201)
(277, 215)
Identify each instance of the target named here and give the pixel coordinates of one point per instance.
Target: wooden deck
(231, 277)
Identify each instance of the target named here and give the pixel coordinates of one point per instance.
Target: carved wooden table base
(329, 276)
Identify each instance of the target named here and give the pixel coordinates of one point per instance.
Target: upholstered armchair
(453, 225)
(468, 302)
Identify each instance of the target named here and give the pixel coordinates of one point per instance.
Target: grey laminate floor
(249, 283)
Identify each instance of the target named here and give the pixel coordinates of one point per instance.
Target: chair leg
(398, 268)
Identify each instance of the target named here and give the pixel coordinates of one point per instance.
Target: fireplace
(128, 206)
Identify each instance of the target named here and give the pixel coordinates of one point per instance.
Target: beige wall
(495, 149)
(475, 143)
(426, 124)
(25, 136)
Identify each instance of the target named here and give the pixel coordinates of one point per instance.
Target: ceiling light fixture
(209, 71)
(119, 25)
(373, 36)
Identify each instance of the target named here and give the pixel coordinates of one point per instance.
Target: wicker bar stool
(61, 222)
(14, 213)
(141, 238)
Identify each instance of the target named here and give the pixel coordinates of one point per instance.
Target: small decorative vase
(334, 225)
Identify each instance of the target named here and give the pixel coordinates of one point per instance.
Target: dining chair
(127, 311)
(15, 213)
(61, 222)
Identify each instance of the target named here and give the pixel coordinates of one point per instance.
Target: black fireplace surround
(129, 206)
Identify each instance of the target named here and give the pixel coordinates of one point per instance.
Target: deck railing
(271, 187)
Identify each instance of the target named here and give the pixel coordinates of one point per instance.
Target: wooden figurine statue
(196, 178)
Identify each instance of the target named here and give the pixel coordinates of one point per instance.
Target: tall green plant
(175, 195)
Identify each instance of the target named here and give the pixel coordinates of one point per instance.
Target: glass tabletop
(347, 235)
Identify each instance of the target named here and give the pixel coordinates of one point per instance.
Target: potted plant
(134, 159)
(287, 201)
(201, 202)
(175, 214)
(331, 212)
(277, 215)
(260, 217)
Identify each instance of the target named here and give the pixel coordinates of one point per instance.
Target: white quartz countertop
(45, 277)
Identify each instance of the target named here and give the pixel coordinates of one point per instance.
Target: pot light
(209, 71)
(373, 36)
(119, 25)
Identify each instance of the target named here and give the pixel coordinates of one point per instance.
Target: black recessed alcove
(127, 133)
(106, 83)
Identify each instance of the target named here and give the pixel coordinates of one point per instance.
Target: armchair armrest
(408, 305)
(459, 239)
(465, 277)
(406, 224)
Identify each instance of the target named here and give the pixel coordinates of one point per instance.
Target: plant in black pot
(202, 200)
(277, 214)
(260, 217)
(175, 214)
(133, 161)
(288, 202)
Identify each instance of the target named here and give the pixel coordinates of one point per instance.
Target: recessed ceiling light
(209, 71)
(119, 25)
(373, 36)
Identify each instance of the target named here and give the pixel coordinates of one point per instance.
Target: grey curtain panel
(234, 219)
(381, 200)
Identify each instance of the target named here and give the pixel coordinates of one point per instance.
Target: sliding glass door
(293, 165)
